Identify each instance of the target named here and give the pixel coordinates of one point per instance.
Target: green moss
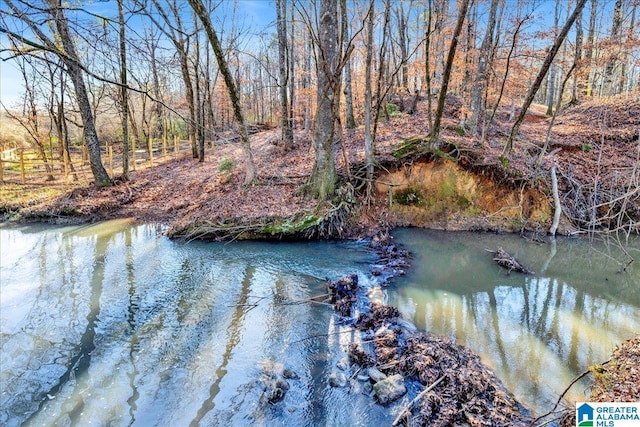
(472, 211)
(463, 202)
(290, 226)
(410, 146)
(457, 129)
(392, 109)
(504, 161)
(408, 196)
(586, 147)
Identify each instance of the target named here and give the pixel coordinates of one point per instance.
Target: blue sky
(257, 15)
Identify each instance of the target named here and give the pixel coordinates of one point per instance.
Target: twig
(407, 411)
(575, 380)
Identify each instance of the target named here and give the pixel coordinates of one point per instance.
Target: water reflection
(537, 332)
(113, 324)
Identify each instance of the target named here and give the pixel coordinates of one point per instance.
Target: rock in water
(290, 374)
(389, 389)
(337, 379)
(376, 375)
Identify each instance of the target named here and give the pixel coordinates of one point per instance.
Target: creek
(114, 324)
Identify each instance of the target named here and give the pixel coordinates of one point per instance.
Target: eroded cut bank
(440, 194)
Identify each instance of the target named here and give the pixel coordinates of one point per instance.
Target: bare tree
(480, 83)
(348, 83)
(462, 13)
(541, 74)
(283, 83)
(325, 128)
(203, 15)
(174, 28)
(62, 45)
(124, 101)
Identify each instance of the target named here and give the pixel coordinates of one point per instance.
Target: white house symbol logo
(584, 417)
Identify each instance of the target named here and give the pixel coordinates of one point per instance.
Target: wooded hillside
(116, 79)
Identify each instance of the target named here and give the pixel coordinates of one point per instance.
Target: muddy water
(113, 324)
(537, 332)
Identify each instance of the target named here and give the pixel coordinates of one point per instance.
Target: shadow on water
(113, 324)
(538, 331)
(233, 337)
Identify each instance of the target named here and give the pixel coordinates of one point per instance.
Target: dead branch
(505, 260)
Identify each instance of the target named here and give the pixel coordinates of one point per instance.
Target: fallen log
(508, 261)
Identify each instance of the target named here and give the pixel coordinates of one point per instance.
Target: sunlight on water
(537, 332)
(114, 324)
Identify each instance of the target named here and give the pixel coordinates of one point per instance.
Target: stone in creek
(275, 389)
(376, 375)
(343, 363)
(389, 389)
(290, 374)
(337, 379)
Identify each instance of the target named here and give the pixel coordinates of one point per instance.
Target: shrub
(226, 166)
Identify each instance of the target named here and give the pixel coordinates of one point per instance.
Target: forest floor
(595, 147)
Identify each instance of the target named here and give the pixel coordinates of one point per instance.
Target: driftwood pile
(508, 261)
(463, 391)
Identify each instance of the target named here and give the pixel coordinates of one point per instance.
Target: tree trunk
(402, 31)
(292, 76)
(577, 58)
(70, 60)
(590, 50)
(625, 51)
(124, 103)
(199, 104)
(348, 89)
(609, 70)
(427, 65)
(281, 21)
(464, 6)
(323, 177)
(541, 74)
(368, 113)
(480, 83)
(551, 80)
(203, 15)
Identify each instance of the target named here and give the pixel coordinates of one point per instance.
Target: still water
(537, 331)
(114, 324)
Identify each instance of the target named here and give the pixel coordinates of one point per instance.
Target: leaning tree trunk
(541, 74)
(464, 6)
(75, 74)
(201, 12)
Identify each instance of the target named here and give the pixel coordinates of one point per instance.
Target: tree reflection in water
(537, 332)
